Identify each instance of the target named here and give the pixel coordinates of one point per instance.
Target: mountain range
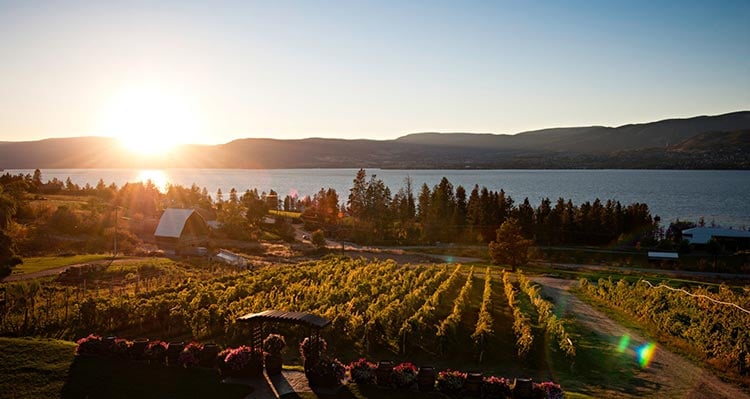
(703, 142)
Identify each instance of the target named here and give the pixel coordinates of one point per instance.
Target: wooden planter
(274, 364)
(473, 384)
(173, 352)
(383, 374)
(426, 379)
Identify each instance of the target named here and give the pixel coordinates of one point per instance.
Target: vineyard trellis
(521, 323)
(552, 324)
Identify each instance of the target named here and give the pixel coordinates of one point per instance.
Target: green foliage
(448, 326)
(552, 324)
(521, 323)
(318, 239)
(483, 327)
(510, 247)
(33, 367)
(718, 332)
(36, 264)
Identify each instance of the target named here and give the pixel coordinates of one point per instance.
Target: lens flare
(645, 353)
(624, 341)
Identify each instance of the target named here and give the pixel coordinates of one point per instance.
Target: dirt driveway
(668, 376)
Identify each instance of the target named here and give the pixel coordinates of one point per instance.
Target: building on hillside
(232, 258)
(181, 230)
(732, 240)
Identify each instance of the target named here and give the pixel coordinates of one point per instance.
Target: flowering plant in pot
(90, 345)
(244, 362)
(190, 355)
(326, 373)
(362, 371)
(311, 350)
(548, 390)
(404, 375)
(156, 352)
(495, 387)
(120, 349)
(450, 381)
(273, 345)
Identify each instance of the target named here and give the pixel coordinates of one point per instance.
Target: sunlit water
(717, 196)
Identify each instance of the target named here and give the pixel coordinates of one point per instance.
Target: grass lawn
(32, 265)
(287, 214)
(40, 368)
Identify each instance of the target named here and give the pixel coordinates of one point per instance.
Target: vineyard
(711, 323)
(375, 306)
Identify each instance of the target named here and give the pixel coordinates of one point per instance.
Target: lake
(717, 196)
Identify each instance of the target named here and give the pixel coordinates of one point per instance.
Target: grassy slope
(34, 368)
(32, 265)
(38, 368)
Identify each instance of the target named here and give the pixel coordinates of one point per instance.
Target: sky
(211, 72)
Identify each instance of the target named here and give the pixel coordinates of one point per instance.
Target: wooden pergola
(257, 322)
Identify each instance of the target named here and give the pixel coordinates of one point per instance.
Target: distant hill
(704, 142)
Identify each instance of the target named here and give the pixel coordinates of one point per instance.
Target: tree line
(445, 213)
(370, 214)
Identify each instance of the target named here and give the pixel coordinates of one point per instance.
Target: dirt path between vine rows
(668, 376)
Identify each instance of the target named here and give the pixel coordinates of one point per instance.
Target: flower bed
(450, 382)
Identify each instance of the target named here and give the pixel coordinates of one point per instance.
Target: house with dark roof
(181, 229)
(729, 238)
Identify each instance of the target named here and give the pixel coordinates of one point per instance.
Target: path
(640, 270)
(273, 387)
(669, 374)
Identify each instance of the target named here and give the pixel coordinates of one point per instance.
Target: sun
(150, 120)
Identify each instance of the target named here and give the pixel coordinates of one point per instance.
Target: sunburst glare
(157, 177)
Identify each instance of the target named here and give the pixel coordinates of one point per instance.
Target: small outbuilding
(180, 229)
(729, 238)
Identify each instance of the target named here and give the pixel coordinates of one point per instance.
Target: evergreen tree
(510, 247)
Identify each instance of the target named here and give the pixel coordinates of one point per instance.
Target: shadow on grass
(598, 365)
(92, 378)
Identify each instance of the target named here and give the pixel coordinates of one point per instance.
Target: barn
(181, 230)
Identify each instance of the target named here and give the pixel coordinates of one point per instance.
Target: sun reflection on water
(157, 177)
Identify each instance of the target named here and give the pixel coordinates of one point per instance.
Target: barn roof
(306, 319)
(172, 222)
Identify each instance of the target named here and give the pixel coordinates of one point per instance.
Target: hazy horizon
(385, 139)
